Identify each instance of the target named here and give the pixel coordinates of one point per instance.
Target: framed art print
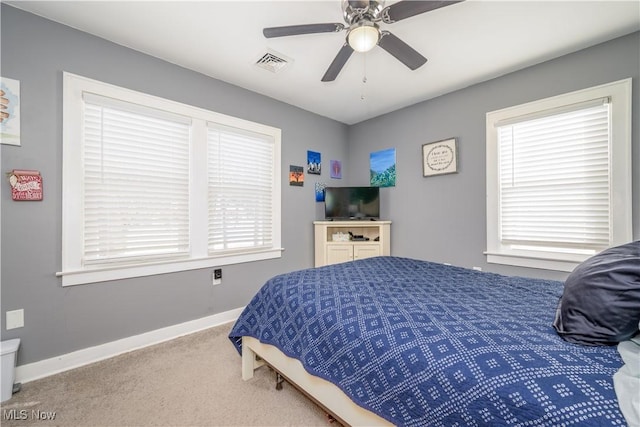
(314, 162)
(296, 175)
(382, 168)
(440, 157)
(319, 191)
(336, 169)
(9, 111)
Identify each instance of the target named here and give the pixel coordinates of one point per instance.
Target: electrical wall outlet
(216, 277)
(15, 319)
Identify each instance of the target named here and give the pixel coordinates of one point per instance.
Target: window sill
(96, 274)
(540, 262)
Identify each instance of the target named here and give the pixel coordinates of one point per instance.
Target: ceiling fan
(363, 30)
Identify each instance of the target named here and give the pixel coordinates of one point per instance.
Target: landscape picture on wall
(296, 175)
(382, 166)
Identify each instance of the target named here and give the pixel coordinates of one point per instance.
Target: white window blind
(554, 179)
(153, 186)
(135, 183)
(241, 189)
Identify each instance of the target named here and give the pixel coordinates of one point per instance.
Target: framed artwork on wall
(9, 111)
(296, 175)
(314, 162)
(440, 157)
(336, 169)
(382, 168)
(319, 191)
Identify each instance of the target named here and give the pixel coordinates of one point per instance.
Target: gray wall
(438, 218)
(58, 321)
(443, 218)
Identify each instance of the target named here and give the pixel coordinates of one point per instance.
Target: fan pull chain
(364, 77)
(364, 81)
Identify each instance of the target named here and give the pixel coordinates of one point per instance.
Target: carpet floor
(194, 380)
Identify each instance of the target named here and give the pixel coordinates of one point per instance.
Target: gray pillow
(600, 304)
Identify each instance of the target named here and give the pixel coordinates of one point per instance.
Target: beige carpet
(190, 381)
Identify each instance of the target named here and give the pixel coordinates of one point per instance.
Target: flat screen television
(352, 203)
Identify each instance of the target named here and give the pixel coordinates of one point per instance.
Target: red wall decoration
(25, 185)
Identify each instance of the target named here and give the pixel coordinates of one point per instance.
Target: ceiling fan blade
(337, 64)
(294, 30)
(402, 51)
(408, 8)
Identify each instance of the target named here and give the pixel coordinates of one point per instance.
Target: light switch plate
(15, 319)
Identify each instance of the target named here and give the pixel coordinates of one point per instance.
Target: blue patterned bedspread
(424, 344)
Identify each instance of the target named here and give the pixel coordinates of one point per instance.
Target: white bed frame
(333, 400)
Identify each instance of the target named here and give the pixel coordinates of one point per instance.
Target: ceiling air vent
(274, 62)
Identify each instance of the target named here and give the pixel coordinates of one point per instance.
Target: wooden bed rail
(324, 393)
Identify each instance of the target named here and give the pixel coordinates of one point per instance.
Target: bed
(391, 340)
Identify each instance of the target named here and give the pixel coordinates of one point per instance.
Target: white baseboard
(65, 362)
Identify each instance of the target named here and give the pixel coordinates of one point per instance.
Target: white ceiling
(465, 43)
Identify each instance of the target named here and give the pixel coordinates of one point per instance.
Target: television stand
(341, 241)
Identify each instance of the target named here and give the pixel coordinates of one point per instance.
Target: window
(559, 178)
(153, 186)
(239, 202)
(136, 171)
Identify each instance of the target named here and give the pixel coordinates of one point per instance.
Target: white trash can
(8, 350)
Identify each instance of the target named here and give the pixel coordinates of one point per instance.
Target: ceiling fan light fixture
(364, 36)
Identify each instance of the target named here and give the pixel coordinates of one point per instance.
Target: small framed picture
(336, 169)
(440, 157)
(320, 186)
(314, 162)
(296, 176)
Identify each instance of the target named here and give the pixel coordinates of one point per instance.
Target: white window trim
(619, 93)
(73, 272)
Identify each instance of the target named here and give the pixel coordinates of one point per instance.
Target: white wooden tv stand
(329, 249)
